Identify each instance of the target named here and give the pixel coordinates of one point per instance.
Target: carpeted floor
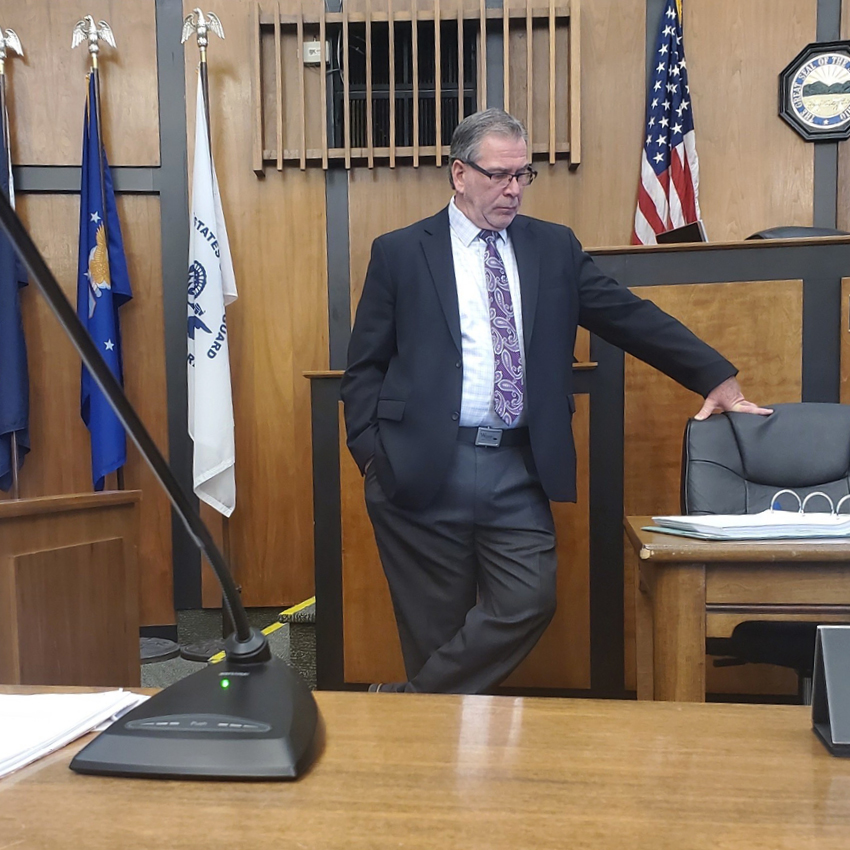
(291, 637)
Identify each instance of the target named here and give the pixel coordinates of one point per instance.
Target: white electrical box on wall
(312, 53)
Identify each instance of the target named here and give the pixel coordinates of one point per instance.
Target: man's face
(484, 203)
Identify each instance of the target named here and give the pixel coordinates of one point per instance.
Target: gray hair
(468, 135)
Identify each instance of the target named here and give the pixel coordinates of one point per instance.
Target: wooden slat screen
(390, 84)
(278, 78)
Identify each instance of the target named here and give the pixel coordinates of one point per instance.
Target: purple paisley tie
(508, 378)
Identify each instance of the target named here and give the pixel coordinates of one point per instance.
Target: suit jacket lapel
(437, 244)
(528, 264)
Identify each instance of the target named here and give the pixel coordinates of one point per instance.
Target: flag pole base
(202, 650)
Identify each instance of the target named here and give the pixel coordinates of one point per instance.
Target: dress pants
(472, 576)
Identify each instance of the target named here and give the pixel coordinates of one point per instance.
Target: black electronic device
(831, 689)
(227, 721)
(693, 232)
(249, 717)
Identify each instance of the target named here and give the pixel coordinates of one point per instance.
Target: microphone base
(229, 721)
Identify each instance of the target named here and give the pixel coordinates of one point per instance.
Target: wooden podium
(69, 590)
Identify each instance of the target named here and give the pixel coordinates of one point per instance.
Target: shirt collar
(464, 229)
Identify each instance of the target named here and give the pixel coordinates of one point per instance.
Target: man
(458, 402)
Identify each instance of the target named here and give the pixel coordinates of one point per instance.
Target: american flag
(668, 194)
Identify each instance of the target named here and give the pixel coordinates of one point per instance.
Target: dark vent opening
(449, 94)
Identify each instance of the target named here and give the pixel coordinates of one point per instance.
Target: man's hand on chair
(728, 396)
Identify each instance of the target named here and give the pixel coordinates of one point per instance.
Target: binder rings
(772, 524)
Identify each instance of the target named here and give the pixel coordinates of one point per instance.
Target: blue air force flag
(103, 285)
(212, 286)
(14, 381)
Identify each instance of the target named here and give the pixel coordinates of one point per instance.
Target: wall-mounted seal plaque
(814, 91)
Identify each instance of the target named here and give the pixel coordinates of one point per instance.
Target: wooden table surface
(659, 547)
(422, 771)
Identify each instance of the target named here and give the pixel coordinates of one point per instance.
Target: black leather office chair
(734, 463)
(797, 233)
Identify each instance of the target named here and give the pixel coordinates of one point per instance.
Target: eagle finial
(9, 41)
(89, 31)
(198, 22)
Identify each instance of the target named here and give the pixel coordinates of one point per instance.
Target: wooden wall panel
(48, 87)
(656, 408)
(598, 199)
(59, 462)
(277, 327)
(755, 171)
(145, 378)
(385, 199)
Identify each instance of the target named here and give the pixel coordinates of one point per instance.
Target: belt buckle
(490, 437)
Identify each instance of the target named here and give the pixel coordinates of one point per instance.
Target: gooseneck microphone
(249, 717)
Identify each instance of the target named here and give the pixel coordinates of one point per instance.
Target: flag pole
(205, 87)
(200, 25)
(119, 473)
(16, 492)
(9, 40)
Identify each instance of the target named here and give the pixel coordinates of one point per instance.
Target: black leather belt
(493, 437)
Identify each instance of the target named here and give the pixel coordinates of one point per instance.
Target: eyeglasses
(503, 178)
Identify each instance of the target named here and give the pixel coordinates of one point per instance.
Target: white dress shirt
(477, 344)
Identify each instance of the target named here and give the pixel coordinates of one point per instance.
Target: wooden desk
(689, 589)
(68, 562)
(422, 771)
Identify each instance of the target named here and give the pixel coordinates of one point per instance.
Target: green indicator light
(225, 684)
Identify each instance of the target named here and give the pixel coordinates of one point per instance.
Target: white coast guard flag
(212, 286)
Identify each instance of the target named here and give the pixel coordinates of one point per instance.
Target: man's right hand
(729, 396)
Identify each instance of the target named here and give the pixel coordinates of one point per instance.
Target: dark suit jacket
(402, 388)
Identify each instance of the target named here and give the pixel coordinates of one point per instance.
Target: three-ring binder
(771, 524)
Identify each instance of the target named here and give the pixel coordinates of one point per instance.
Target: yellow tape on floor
(268, 630)
(299, 607)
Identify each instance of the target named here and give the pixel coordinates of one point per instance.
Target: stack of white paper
(33, 725)
(768, 525)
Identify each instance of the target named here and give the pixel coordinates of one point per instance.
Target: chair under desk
(690, 589)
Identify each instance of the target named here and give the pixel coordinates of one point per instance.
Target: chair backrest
(797, 232)
(733, 463)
